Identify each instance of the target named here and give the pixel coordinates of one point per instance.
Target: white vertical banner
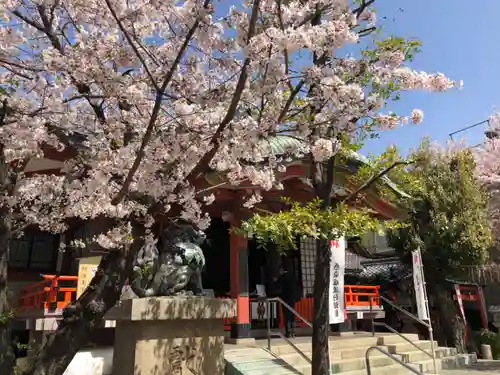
(418, 281)
(337, 270)
(460, 301)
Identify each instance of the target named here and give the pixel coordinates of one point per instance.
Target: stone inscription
(184, 357)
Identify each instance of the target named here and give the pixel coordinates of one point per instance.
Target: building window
(375, 243)
(307, 260)
(36, 251)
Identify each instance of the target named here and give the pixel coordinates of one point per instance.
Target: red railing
(54, 292)
(360, 295)
(355, 296)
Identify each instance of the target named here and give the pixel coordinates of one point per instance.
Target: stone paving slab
(479, 368)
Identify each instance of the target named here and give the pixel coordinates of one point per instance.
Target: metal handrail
(368, 366)
(289, 342)
(279, 334)
(402, 336)
(414, 317)
(291, 309)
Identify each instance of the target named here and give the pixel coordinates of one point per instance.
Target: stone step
(338, 366)
(347, 356)
(273, 366)
(335, 355)
(427, 366)
(458, 361)
(351, 353)
(395, 369)
(404, 347)
(395, 339)
(416, 355)
(343, 343)
(278, 370)
(247, 354)
(274, 363)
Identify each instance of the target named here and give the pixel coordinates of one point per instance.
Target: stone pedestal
(170, 335)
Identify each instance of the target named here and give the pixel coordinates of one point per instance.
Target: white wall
(97, 361)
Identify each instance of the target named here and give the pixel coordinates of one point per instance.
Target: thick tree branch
(46, 28)
(290, 100)
(132, 44)
(231, 111)
(376, 177)
(364, 4)
(156, 111)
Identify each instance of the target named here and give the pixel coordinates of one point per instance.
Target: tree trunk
(85, 314)
(7, 360)
(451, 332)
(320, 354)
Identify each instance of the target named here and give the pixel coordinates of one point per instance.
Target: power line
(467, 128)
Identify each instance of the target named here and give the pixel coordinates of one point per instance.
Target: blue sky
(461, 39)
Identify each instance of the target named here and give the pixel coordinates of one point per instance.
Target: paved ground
(480, 368)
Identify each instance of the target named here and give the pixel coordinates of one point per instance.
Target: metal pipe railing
(402, 336)
(414, 317)
(271, 333)
(290, 308)
(368, 365)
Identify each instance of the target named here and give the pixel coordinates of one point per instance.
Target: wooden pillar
(482, 307)
(238, 247)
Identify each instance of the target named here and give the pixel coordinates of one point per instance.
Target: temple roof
(284, 144)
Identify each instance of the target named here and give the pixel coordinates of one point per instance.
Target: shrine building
(44, 280)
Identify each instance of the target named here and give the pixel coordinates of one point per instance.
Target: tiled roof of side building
(286, 144)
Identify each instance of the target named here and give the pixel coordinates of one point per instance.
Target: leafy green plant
(310, 220)
(487, 337)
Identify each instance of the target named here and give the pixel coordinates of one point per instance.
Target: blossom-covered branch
(150, 95)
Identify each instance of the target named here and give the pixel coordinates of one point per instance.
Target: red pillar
(238, 247)
(482, 307)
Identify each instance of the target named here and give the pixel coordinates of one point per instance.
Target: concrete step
(339, 366)
(458, 361)
(336, 355)
(278, 370)
(417, 355)
(341, 343)
(275, 363)
(404, 347)
(450, 362)
(395, 369)
(395, 339)
(273, 366)
(247, 355)
(427, 366)
(352, 352)
(255, 361)
(347, 356)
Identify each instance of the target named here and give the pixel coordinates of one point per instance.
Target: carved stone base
(170, 335)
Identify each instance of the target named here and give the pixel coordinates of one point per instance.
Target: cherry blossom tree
(149, 95)
(488, 172)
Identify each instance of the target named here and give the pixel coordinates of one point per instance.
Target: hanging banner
(418, 281)
(460, 302)
(337, 269)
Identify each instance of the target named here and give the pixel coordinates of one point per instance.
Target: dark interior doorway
(216, 250)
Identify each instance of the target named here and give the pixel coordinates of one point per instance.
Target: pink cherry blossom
(488, 171)
(151, 94)
(417, 116)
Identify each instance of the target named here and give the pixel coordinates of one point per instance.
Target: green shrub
(492, 339)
